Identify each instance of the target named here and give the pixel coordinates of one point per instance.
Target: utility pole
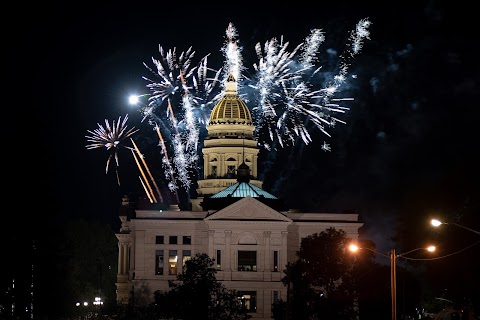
(393, 282)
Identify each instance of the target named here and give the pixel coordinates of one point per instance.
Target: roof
(242, 190)
(230, 108)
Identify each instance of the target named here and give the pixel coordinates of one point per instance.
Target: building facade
(249, 233)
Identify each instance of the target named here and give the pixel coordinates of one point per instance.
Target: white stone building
(249, 232)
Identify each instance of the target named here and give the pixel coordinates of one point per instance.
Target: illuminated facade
(247, 231)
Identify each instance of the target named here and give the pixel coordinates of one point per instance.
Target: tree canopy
(196, 294)
(320, 282)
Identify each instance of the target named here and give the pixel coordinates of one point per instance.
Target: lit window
(275, 261)
(219, 260)
(172, 262)
(186, 255)
(247, 261)
(159, 262)
(248, 299)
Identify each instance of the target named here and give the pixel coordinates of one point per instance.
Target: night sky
(409, 148)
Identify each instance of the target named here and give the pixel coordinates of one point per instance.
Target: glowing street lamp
(98, 301)
(393, 270)
(437, 223)
(83, 311)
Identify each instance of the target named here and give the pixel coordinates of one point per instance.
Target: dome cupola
(230, 109)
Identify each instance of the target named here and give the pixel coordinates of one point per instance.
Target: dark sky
(409, 147)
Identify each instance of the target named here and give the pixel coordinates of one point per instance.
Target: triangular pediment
(248, 208)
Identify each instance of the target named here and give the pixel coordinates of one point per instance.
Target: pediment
(248, 208)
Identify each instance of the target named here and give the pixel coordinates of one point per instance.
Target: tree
(196, 294)
(132, 311)
(300, 292)
(320, 282)
(324, 259)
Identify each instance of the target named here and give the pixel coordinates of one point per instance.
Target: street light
(84, 312)
(437, 223)
(393, 270)
(98, 302)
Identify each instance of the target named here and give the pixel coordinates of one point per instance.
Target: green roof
(242, 190)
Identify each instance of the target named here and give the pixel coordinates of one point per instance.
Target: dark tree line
(57, 266)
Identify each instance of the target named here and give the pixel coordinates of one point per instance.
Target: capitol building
(250, 233)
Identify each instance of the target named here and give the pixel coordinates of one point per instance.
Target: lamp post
(98, 300)
(437, 223)
(393, 270)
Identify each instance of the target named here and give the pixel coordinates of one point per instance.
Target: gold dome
(230, 108)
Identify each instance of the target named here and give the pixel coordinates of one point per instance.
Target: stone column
(228, 240)
(123, 254)
(228, 255)
(283, 258)
(267, 268)
(254, 166)
(125, 258)
(124, 285)
(179, 261)
(211, 244)
(120, 259)
(206, 167)
(221, 165)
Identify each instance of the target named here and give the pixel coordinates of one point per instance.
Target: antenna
(243, 146)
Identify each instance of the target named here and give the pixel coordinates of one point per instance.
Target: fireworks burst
(110, 137)
(286, 91)
(291, 94)
(176, 76)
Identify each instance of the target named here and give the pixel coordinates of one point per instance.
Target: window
(247, 261)
(275, 261)
(172, 262)
(275, 296)
(158, 239)
(219, 260)
(214, 171)
(187, 240)
(231, 171)
(172, 240)
(248, 299)
(186, 255)
(159, 262)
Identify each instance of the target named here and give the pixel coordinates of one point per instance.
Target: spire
(243, 146)
(243, 173)
(231, 85)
